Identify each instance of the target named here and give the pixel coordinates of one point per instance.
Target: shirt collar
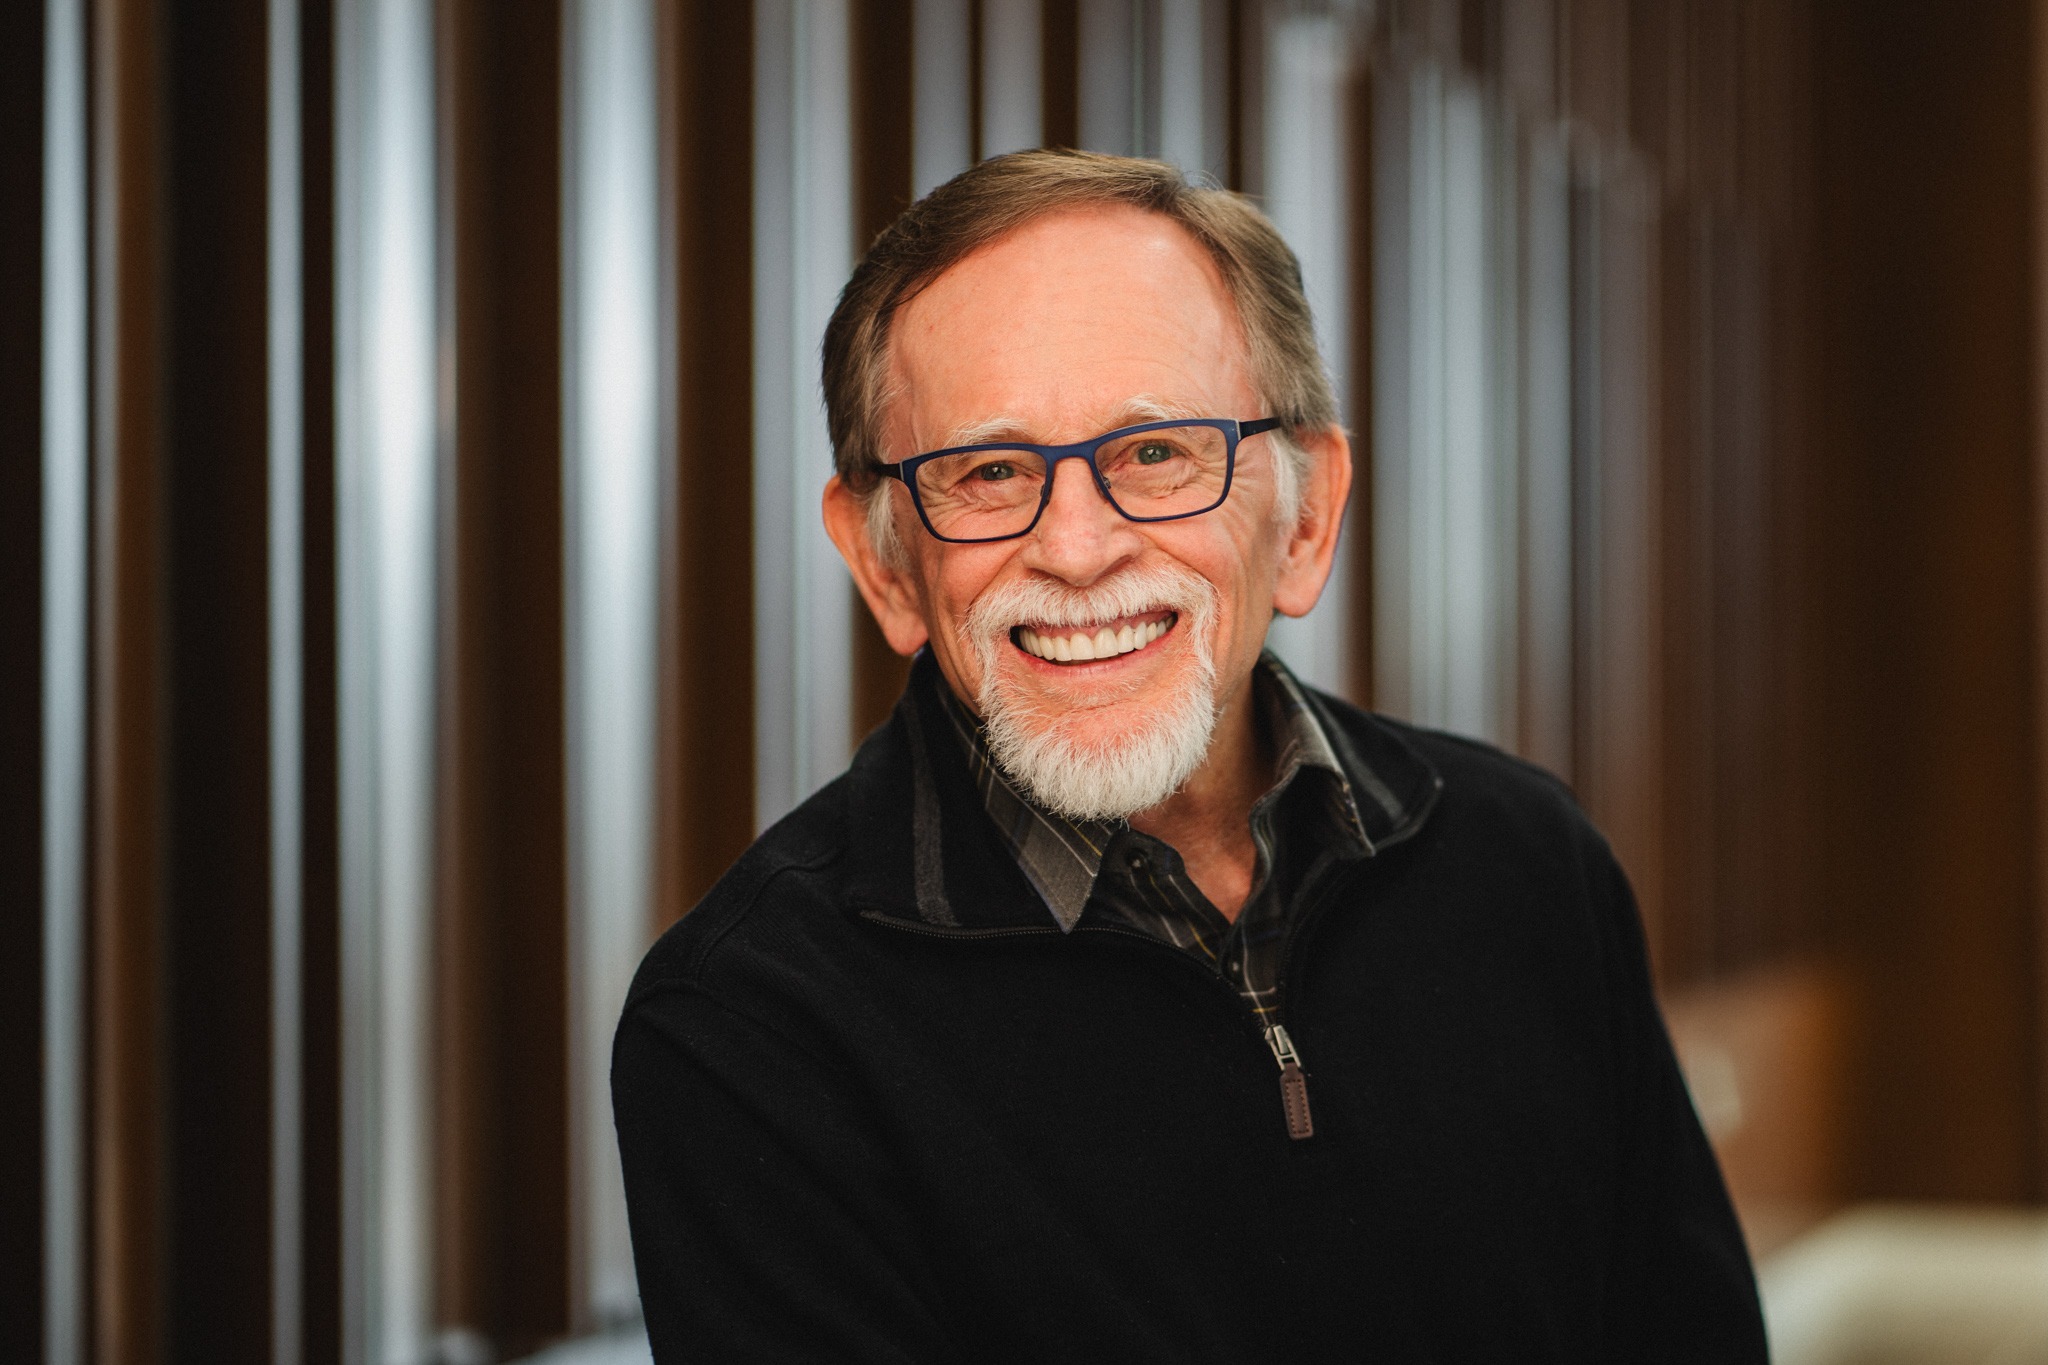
(1062, 858)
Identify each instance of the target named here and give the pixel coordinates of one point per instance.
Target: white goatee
(1148, 753)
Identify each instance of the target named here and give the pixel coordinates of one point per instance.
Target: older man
(1127, 1000)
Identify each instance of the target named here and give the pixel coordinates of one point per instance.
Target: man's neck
(1208, 821)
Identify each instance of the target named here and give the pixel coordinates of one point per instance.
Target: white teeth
(1103, 644)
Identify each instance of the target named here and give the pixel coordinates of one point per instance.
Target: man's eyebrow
(998, 428)
(1142, 407)
(1146, 408)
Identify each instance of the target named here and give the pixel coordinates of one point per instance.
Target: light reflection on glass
(612, 451)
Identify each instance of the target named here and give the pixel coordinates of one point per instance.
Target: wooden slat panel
(2038, 262)
(319, 777)
(714, 235)
(215, 682)
(1359, 392)
(21, 676)
(502, 1122)
(1059, 35)
(1918, 518)
(126, 1010)
(882, 189)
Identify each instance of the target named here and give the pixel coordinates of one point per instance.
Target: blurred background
(412, 594)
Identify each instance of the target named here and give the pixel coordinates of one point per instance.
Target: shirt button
(1138, 860)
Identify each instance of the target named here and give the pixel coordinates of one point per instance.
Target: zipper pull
(1293, 1083)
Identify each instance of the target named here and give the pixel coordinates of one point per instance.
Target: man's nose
(1080, 537)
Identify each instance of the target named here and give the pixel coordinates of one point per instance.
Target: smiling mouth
(1088, 644)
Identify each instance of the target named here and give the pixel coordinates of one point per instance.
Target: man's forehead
(1078, 251)
(1089, 319)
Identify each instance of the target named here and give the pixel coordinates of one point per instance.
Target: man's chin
(1106, 754)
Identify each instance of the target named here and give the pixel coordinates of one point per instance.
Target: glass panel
(388, 413)
(286, 520)
(1011, 78)
(803, 252)
(943, 124)
(65, 589)
(613, 449)
(1305, 151)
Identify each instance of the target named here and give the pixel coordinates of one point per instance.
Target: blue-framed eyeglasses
(1155, 471)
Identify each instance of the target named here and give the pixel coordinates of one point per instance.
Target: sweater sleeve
(1683, 1288)
(764, 1214)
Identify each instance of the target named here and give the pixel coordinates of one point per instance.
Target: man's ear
(1310, 546)
(891, 593)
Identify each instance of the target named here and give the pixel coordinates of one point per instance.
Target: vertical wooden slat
(126, 1025)
(1059, 67)
(22, 818)
(975, 78)
(320, 1296)
(502, 1120)
(1358, 527)
(1919, 528)
(530, 1264)
(1235, 20)
(2038, 145)
(463, 1206)
(882, 111)
(214, 678)
(714, 248)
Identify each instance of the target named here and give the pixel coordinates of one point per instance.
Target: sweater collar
(925, 847)
(1062, 858)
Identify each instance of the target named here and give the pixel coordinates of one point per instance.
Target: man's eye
(996, 471)
(1154, 452)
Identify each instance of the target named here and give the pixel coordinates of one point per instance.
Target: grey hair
(994, 198)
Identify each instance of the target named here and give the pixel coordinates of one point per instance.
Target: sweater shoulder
(779, 887)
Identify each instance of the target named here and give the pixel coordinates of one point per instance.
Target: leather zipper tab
(1293, 1084)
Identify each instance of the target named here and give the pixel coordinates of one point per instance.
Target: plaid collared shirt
(1307, 820)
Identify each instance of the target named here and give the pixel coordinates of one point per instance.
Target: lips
(1094, 641)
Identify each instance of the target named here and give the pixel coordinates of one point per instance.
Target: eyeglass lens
(983, 494)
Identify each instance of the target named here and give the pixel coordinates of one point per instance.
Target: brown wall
(1921, 745)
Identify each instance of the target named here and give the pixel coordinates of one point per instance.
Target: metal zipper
(1293, 1084)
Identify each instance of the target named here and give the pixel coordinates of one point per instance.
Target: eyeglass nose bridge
(1084, 451)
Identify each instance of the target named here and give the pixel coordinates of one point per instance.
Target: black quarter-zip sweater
(873, 1106)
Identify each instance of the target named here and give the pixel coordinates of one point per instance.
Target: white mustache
(1042, 602)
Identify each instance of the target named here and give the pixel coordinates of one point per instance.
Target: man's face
(1074, 325)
